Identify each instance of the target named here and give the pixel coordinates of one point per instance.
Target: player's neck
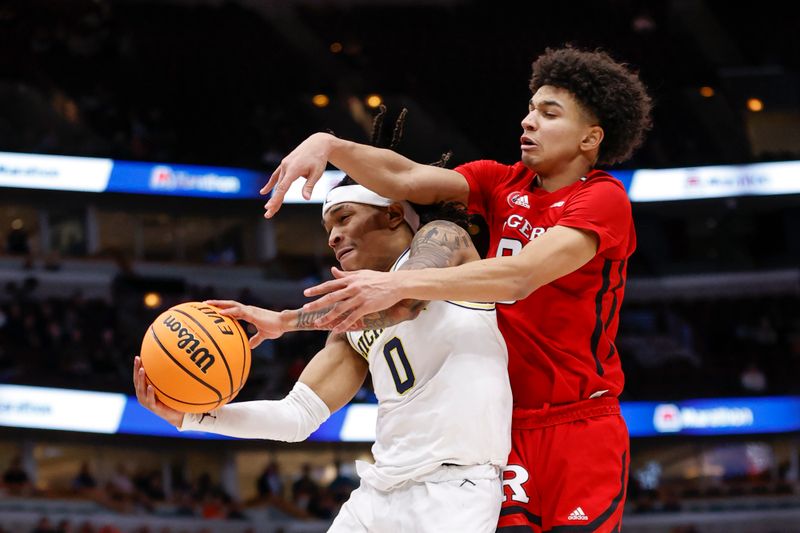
(394, 249)
(564, 173)
(563, 177)
(554, 183)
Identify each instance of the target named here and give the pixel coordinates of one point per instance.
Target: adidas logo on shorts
(577, 514)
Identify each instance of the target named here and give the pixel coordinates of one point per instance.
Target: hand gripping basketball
(145, 393)
(195, 358)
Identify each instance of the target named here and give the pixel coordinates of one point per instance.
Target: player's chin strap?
(359, 194)
(290, 420)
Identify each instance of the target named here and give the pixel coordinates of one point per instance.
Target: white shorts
(460, 505)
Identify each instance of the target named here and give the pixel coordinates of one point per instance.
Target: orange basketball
(195, 358)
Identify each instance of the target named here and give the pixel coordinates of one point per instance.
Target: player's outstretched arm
(269, 324)
(383, 171)
(558, 252)
(328, 382)
(272, 324)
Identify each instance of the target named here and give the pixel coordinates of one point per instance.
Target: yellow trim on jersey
(354, 343)
(478, 306)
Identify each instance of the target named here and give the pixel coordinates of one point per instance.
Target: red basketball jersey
(561, 337)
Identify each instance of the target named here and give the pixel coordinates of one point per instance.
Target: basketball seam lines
(211, 338)
(215, 402)
(158, 341)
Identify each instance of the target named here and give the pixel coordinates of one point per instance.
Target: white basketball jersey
(443, 391)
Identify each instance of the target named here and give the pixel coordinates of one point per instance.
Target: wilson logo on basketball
(190, 344)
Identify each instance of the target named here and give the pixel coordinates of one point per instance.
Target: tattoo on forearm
(399, 312)
(377, 320)
(306, 320)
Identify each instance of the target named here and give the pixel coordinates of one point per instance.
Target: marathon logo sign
(721, 181)
(669, 418)
(165, 178)
(54, 172)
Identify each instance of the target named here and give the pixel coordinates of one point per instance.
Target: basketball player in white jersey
(438, 371)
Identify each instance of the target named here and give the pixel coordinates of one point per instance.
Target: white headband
(361, 195)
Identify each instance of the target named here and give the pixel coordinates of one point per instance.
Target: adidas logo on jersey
(522, 201)
(517, 198)
(577, 514)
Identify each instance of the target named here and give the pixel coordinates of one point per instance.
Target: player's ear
(395, 215)
(592, 139)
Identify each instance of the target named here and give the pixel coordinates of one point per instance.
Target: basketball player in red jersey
(561, 233)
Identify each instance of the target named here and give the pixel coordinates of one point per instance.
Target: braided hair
(454, 212)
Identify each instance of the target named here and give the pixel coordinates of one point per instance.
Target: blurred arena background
(134, 136)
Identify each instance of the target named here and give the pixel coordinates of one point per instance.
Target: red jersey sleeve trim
(482, 177)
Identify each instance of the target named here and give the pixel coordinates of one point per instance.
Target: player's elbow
(302, 433)
(522, 287)
(519, 280)
(297, 416)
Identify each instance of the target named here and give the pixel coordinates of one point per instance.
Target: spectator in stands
(107, 357)
(305, 490)
(17, 240)
(269, 483)
(120, 486)
(44, 526)
(764, 333)
(73, 352)
(202, 486)
(670, 501)
(16, 479)
(213, 506)
(753, 379)
(86, 527)
(235, 512)
(154, 490)
(84, 481)
(342, 485)
(185, 504)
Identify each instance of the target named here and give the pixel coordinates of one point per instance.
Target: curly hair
(609, 90)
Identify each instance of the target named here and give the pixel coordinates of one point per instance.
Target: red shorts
(568, 469)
